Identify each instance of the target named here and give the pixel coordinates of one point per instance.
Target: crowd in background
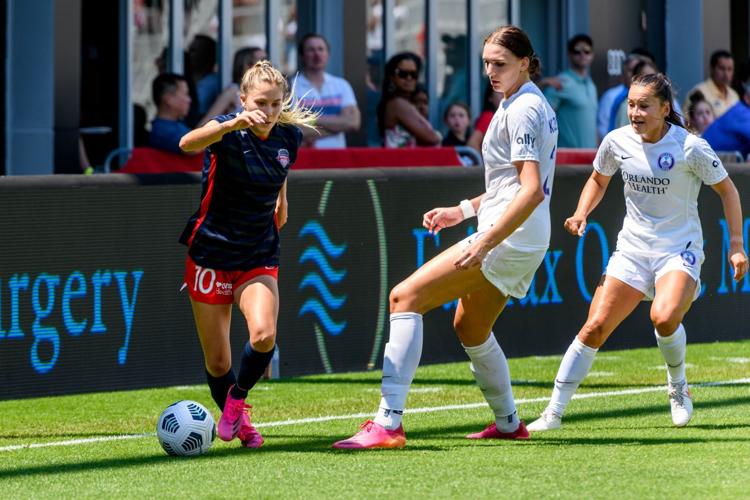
(398, 108)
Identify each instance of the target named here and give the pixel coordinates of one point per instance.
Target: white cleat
(682, 403)
(546, 422)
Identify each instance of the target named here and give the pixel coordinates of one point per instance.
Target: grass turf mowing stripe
(328, 418)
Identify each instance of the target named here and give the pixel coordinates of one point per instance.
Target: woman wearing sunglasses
(399, 122)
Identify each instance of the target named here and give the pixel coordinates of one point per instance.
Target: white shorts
(508, 269)
(642, 271)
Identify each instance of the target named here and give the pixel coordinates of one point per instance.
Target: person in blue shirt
(172, 98)
(731, 131)
(573, 96)
(233, 237)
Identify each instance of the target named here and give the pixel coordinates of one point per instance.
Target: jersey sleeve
(217, 146)
(525, 126)
(604, 161)
(703, 162)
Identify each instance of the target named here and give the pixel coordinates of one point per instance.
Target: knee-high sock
(219, 386)
(490, 369)
(252, 366)
(574, 367)
(402, 354)
(673, 349)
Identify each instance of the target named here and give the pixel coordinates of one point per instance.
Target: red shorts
(214, 286)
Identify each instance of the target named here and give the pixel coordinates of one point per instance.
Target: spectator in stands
(457, 118)
(717, 87)
(421, 99)
(327, 94)
(731, 131)
(229, 99)
(490, 102)
(400, 123)
(573, 96)
(613, 97)
(700, 114)
(202, 57)
(172, 99)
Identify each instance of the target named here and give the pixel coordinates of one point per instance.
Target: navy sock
(219, 386)
(252, 366)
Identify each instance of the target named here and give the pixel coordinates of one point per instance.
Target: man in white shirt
(718, 87)
(329, 94)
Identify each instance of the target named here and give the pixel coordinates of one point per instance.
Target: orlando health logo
(323, 303)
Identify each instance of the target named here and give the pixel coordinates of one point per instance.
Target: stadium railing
(149, 160)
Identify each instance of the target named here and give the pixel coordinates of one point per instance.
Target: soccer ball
(186, 428)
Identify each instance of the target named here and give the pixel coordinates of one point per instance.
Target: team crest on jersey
(688, 258)
(666, 161)
(283, 157)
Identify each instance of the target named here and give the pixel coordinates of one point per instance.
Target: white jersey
(524, 128)
(661, 184)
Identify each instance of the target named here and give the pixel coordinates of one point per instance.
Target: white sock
(573, 369)
(490, 369)
(400, 361)
(673, 349)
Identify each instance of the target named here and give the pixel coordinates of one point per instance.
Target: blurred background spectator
(421, 100)
(457, 118)
(172, 99)
(490, 102)
(573, 96)
(400, 123)
(731, 131)
(699, 112)
(717, 87)
(202, 57)
(332, 96)
(229, 100)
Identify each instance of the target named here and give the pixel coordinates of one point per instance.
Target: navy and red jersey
(234, 227)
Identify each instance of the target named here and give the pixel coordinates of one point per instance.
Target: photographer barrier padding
(91, 271)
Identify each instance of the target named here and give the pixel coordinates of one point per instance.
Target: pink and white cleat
(230, 422)
(491, 432)
(249, 435)
(373, 435)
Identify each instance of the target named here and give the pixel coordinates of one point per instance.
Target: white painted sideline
(328, 418)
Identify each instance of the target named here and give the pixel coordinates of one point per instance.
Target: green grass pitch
(618, 443)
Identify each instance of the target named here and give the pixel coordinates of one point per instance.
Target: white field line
(329, 418)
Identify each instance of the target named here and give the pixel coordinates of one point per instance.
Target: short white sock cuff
(676, 335)
(406, 315)
(583, 348)
(483, 348)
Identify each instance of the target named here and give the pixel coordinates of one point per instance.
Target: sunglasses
(403, 73)
(579, 52)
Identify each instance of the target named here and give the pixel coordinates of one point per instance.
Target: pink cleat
(249, 435)
(230, 422)
(491, 432)
(373, 435)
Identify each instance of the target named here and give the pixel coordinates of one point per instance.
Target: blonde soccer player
(233, 237)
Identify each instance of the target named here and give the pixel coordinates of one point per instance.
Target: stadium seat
(377, 157)
(157, 161)
(730, 156)
(575, 156)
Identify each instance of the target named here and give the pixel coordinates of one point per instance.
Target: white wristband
(467, 207)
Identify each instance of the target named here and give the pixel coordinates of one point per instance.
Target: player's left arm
(282, 207)
(730, 200)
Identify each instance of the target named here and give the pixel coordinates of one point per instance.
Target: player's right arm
(212, 132)
(442, 217)
(592, 194)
